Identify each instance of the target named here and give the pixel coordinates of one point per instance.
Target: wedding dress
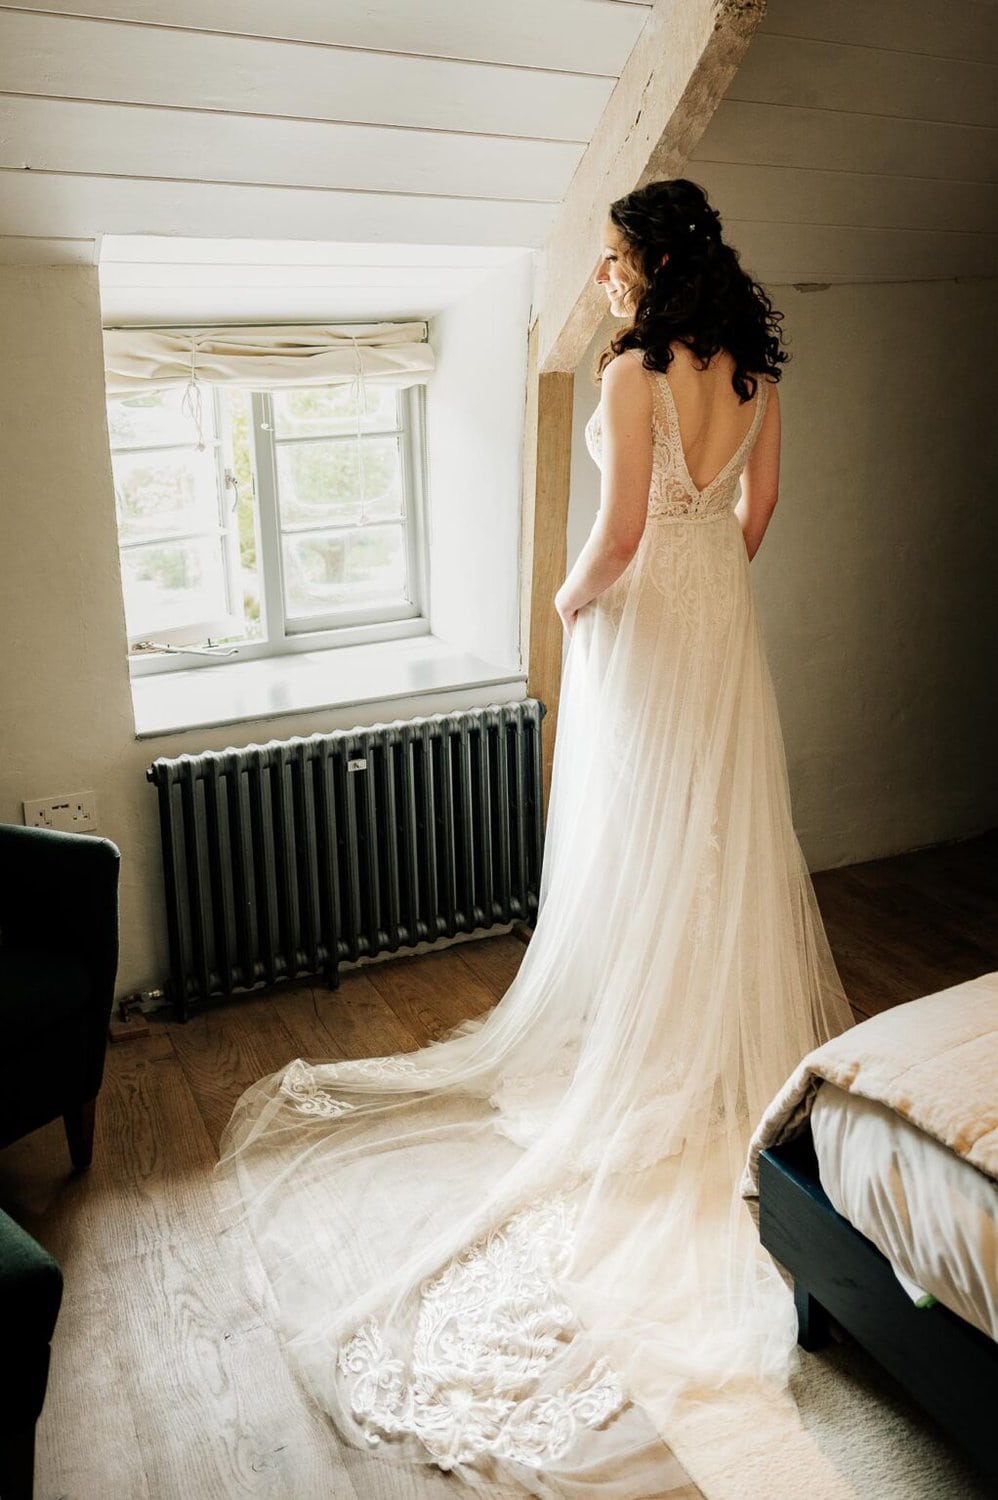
(513, 1251)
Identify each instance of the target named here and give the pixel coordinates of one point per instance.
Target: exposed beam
(677, 74)
(547, 472)
(551, 444)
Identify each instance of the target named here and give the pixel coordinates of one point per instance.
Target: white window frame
(228, 539)
(356, 626)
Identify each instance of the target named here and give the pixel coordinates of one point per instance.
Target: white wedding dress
(512, 1252)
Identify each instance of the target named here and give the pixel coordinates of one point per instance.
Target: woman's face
(612, 274)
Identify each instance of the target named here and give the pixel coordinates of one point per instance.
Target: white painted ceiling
(309, 160)
(245, 161)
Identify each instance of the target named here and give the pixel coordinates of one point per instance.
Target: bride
(516, 1252)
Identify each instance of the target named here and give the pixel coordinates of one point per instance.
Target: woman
(514, 1251)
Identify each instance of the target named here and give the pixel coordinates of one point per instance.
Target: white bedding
(931, 1213)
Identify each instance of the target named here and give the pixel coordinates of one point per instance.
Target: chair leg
(79, 1123)
(17, 1464)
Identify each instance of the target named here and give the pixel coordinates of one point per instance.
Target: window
(297, 526)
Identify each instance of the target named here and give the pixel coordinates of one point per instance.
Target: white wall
(66, 707)
(475, 416)
(877, 582)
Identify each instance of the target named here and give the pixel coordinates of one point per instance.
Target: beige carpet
(848, 1434)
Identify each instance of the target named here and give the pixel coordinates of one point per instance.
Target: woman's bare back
(713, 422)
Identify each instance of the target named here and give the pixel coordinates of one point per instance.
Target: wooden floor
(165, 1384)
(912, 924)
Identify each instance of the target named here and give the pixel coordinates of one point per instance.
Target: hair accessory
(691, 226)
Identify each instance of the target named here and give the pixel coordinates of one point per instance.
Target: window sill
(301, 683)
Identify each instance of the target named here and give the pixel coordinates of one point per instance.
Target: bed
(876, 1169)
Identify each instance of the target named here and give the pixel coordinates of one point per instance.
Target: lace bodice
(673, 495)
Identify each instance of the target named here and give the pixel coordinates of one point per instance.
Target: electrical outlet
(74, 813)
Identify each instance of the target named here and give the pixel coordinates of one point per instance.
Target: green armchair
(58, 961)
(30, 1294)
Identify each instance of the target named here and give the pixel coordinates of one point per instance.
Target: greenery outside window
(297, 526)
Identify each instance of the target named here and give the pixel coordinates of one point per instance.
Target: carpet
(847, 1432)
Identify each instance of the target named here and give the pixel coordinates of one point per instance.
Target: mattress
(930, 1212)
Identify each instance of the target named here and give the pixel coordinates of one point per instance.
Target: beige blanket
(933, 1060)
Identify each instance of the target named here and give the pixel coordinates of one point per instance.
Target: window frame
(367, 624)
(223, 532)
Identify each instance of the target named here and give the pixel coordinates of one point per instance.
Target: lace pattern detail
(685, 571)
(680, 559)
(299, 1086)
(487, 1329)
(309, 1097)
(672, 494)
(392, 1066)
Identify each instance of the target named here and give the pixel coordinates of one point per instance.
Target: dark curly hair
(701, 297)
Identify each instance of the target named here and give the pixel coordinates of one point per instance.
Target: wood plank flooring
(165, 1383)
(914, 923)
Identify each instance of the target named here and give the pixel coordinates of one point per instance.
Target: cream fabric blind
(265, 358)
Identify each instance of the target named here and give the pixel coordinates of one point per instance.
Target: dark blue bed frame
(945, 1364)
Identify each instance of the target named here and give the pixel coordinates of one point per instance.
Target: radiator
(283, 860)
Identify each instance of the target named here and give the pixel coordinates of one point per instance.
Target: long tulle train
(519, 1251)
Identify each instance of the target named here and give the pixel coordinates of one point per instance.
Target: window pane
(331, 570)
(153, 420)
(165, 494)
(320, 483)
(316, 410)
(237, 408)
(173, 585)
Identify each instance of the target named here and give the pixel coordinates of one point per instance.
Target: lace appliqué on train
(299, 1086)
(393, 1066)
(487, 1330)
(302, 1087)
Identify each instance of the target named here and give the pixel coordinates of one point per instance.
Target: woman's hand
(566, 611)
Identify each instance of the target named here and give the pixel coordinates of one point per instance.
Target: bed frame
(945, 1364)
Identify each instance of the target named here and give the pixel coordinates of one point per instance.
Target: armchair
(30, 1294)
(58, 961)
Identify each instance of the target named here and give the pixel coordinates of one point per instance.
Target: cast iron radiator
(284, 859)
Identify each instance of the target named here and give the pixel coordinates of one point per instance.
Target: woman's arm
(625, 482)
(761, 477)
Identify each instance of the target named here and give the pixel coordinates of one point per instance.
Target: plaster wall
(475, 418)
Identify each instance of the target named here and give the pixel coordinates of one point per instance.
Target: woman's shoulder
(625, 369)
(626, 391)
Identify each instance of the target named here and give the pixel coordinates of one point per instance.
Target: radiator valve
(128, 1019)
